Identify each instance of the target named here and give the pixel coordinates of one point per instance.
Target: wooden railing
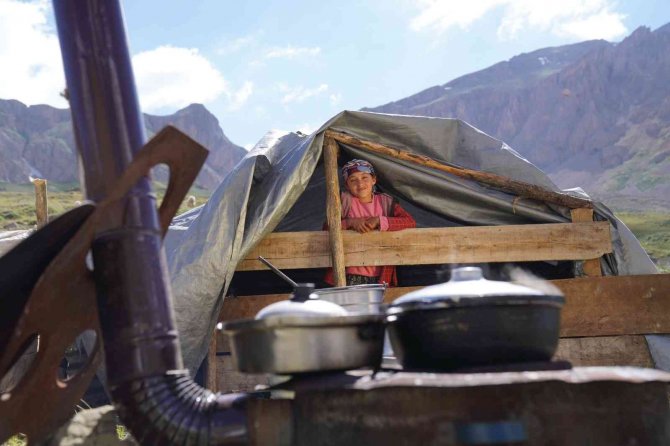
(468, 244)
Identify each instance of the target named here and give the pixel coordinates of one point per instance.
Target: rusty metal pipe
(155, 397)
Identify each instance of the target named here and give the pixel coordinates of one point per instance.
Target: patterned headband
(357, 166)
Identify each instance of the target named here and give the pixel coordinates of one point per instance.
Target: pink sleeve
(383, 223)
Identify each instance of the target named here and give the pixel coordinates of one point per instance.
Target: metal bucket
(359, 299)
(356, 299)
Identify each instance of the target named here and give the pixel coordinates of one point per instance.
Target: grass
(16, 440)
(17, 202)
(122, 434)
(17, 205)
(653, 231)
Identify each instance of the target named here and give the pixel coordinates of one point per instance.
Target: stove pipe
(153, 393)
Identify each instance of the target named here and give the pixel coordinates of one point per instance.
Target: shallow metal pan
(297, 344)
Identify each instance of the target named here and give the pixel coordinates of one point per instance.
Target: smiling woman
(363, 211)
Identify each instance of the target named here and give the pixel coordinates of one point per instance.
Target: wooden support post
(41, 202)
(591, 266)
(210, 374)
(334, 210)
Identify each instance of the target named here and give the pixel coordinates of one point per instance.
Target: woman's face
(360, 184)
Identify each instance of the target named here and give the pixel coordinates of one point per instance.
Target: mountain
(594, 114)
(38, 141)
(198, 123)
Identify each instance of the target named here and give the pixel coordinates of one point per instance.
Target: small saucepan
(470, 321)
(356, 299)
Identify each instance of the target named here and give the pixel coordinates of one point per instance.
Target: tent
(280, 186)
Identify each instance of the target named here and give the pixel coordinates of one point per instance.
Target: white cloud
(335, 98)
(291, 52)
(257, 64)
(300, 93)
(307, 128)
(240, 97)
(261, 112)
(605, 25)
(170, 77)
(581, 19)
(31, 69)
(167, 77)
(240, 43)
(444, 14)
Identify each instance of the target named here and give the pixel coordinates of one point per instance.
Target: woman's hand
(372, 223)
(363, 225)
(359, 225)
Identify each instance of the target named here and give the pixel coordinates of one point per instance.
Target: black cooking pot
(470, 321)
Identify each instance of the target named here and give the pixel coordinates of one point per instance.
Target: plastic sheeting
(9, 239)
(279, 186)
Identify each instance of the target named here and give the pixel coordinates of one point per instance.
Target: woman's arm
(354, 224)
(400, 219)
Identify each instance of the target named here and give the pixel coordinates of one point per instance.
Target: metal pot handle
(302, 292)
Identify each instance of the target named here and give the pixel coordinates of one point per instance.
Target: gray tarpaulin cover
(280, 186)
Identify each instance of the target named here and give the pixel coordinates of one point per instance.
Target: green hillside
(653, 231)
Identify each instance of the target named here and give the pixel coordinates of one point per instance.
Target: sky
(260, 65)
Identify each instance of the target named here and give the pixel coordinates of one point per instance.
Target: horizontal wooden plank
(595, 306)
(605, 351)
(616, 305)
(468, 244)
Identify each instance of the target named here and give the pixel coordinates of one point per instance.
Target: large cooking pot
(306, 334)
(471, 321)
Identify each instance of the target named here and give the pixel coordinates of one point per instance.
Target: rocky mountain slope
(38, 141)
(594, 114)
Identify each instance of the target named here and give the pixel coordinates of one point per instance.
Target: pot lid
(303, 302)
(468, 284)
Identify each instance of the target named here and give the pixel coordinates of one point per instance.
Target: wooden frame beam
(467, 244)
(519, 188)
(591, 266)
(41, 208)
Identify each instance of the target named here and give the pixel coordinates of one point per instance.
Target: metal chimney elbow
(172, 409)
